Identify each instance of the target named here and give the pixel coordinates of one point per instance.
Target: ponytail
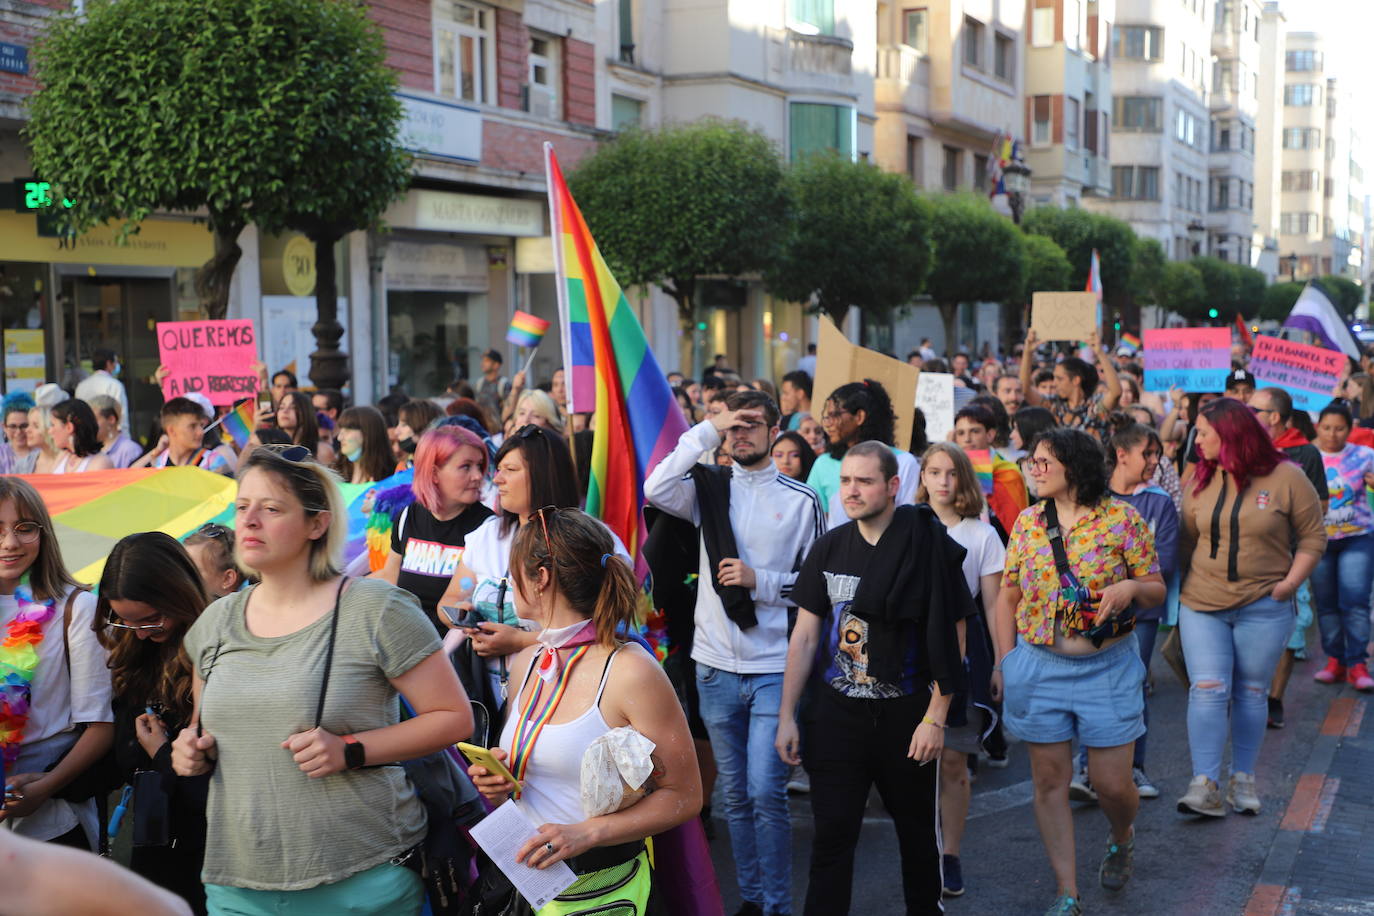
(615, 602)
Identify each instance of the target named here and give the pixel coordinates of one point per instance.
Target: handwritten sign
(935, 398)
(210, 357)
(1064, 316)
(839, 362)
(1307, 373)
(1194, 359)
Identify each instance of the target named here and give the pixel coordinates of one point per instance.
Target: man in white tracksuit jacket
(740, 653)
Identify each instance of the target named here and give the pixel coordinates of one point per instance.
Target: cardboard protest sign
(1307, 373)
(1194, 359)
(935, 398)
(839, 362)
(1064, 316)
(213, 358)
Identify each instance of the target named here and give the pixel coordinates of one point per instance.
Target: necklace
(18, 666)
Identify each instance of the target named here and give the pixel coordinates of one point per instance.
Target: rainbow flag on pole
(612, 373)
(1131, 342)
(526, 330)
(238, 423)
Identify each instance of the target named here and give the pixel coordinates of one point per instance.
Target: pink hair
(436, 447)
(1246, 450)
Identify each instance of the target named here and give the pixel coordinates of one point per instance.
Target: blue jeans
(1231, 659)
(741, 715)
(1341, 585)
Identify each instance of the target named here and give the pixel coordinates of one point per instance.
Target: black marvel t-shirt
(825, 586)
(430, 550)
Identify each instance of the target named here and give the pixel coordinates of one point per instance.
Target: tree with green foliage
(1278, 300)
(1147, 270)
(1232, 289)
(1078, 232)
(1047, 267)
(979, 257)
(278, 113)
(1250, 287)
(858, 236)
(1182, 290)
(1346, 295)
(672, 205)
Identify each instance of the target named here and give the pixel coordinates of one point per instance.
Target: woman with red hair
(428, 536)
(1245, 507)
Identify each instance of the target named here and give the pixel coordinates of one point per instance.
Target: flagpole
(529, 362)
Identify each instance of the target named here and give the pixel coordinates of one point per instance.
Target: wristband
(997, 667)
(927, 720)
(355, 756)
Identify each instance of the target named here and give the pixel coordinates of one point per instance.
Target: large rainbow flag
(611, 373)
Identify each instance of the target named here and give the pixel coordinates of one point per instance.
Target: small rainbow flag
(1130, 342)
(238, 423)
(526, 330)
(982, 468)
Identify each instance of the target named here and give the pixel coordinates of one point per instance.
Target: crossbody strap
(329, 653)
(1056, 535)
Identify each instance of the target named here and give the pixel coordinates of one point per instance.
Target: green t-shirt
(271, 827)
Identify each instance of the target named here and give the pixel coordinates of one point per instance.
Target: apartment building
(1161, 59)
(1068, 103)
(1269, 139)
(1236, 100)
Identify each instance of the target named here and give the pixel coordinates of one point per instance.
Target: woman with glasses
(55, 718)
(43, 452)
(211, 548)
(150, 595)
(16, 414)
(296, 713)
(533, 469)
(1069, 663)
(75, 432)
(363, 447)
(567, 577)
(428, 536)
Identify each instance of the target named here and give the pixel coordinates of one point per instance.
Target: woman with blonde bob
(534, 406)
(950, 485)
(43, 453)
(566, 576)
(296, 755)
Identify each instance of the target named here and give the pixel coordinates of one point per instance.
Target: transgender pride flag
(612, 373)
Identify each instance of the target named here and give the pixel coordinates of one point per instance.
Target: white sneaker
(1240, 794)
(799, 782)
(1143, 786)
(1204, 797)
(1080, 789)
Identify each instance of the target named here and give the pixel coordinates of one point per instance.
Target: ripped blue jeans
(1231, 660)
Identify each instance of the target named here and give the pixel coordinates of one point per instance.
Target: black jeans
(850, 746)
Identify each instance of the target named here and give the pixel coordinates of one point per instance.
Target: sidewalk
(1322, 859)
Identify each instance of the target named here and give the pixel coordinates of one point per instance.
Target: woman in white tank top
(76, 434)
(578, 683)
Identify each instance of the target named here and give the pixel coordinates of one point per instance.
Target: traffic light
(1212, 313)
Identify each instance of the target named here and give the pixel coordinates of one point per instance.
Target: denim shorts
(1048, 697)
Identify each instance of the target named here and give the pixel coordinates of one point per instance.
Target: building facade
(1269, 138)
(1236, 99)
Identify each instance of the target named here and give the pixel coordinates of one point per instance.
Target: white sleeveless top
(61, 466)
(553, 778)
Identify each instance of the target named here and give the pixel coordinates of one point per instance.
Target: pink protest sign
(1194, 359)
(1307, 373)
(214, 358)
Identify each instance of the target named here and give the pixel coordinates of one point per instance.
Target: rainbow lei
(18, 664)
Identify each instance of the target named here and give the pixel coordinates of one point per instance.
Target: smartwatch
(355, 755)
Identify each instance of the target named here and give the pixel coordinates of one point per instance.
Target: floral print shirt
(1089, 416)
(1110, 544)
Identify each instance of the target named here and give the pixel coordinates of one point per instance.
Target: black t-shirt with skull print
(825, 587)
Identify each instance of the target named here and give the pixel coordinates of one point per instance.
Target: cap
(1240, 377)
(50, 395)
(202, 402)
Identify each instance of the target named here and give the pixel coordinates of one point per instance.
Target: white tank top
(553, 777)
(61, 466)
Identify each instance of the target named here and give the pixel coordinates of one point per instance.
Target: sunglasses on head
(296, 454)
(213, 530)
(529, 431)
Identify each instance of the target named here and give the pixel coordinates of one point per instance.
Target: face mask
(355, 454)
(408, 445)
(115, 370)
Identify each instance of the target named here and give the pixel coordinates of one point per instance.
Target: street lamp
(1016, 179)
(1196, 233)
(1292, 261)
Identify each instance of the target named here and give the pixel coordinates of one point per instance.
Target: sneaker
(1118, 864)
(799, 782)
(954, 877)
(998, 762)
(1204, 797)
(1064, 906)
(1358, 677)
(1080, 789)
(1240, 794)
(1275, 712)
(749, 909)
(1333, 673)
(1143, 786)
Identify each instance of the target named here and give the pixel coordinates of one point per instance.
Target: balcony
(903, 78)
(825, 54)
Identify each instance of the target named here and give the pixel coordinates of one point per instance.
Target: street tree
(1278, 300)
(979, 257)
(1047, 267)
(1182, 291)
(857, 236)
(1147, 270)
(1079, 232)
(672, 205)
(278, 113)
(1344, 294)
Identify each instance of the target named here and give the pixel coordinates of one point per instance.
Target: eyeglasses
(1040, 464)
(24, 532)
(829, 418)
(16, 427)
(113, 620)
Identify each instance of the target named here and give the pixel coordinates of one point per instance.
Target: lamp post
(1196, 233)
(1292, 261)
(1016, 179)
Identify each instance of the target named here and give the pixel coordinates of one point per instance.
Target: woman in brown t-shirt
(1245, 507)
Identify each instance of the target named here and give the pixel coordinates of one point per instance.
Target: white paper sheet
(501, 834)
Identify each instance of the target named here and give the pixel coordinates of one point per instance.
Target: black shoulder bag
(1119, 625)
(443, 859)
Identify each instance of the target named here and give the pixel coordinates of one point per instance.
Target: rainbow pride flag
(238, 423)
(1130, 342)
(611, 373)
(526, 330)
(982, 468)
